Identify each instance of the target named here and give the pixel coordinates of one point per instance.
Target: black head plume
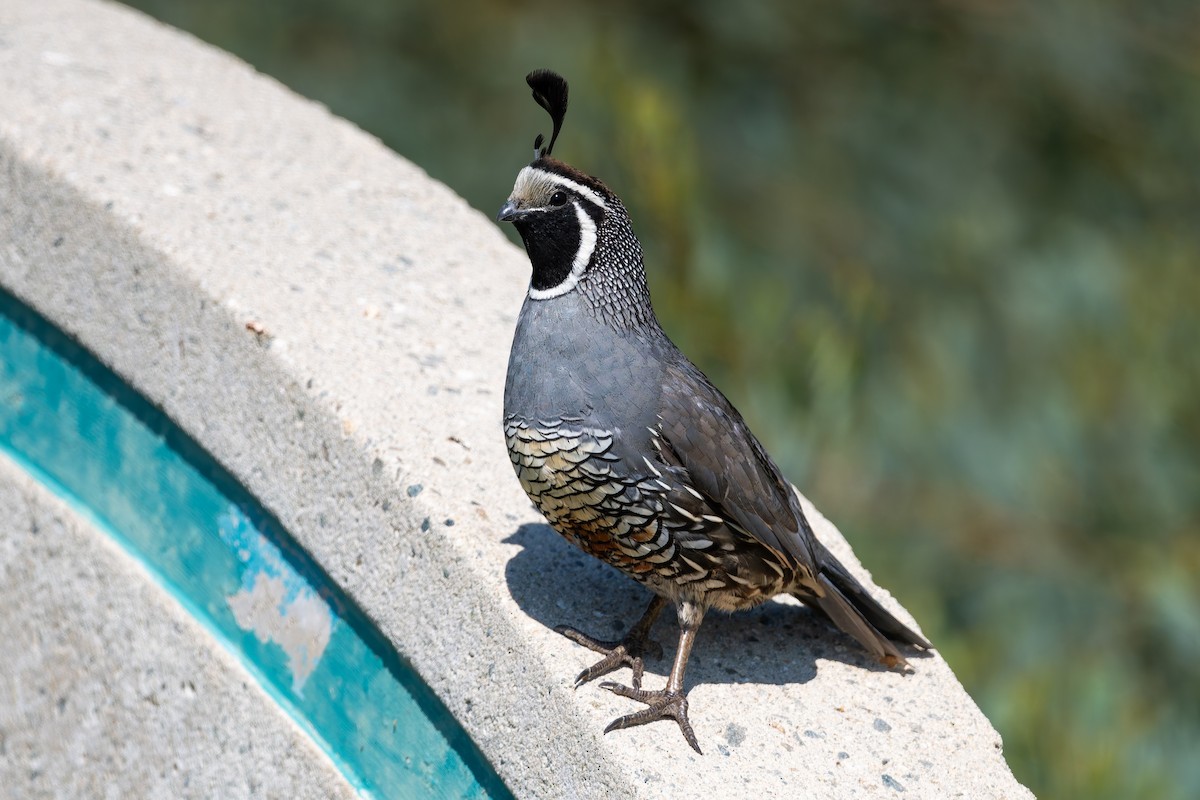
(550, 92)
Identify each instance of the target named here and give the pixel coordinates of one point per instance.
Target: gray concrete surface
(110, 689)
(333, 326)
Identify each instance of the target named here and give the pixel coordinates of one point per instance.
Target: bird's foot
(661, 704)
(626, 653)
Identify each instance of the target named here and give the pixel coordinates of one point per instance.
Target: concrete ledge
(333, 327)
(128, 695)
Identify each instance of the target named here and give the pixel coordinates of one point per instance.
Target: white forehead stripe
(530, 174)
(587, 245)
(588, 193)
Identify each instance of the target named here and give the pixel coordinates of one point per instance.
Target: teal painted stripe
(85, 434)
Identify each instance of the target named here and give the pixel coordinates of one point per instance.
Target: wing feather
(728, 465)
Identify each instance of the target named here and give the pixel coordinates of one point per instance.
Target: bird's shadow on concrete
(775, 643)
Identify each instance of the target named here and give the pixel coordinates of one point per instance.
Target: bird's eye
(558, 199)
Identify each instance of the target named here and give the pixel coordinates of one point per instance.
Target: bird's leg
(627, 652)
(671, 701)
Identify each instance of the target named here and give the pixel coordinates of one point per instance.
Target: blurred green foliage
(945, 256)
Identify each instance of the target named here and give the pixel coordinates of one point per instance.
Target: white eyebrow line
(587, 193)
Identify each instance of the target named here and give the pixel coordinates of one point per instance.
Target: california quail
(630, 452)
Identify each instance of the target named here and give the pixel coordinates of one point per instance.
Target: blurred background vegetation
(945, 256)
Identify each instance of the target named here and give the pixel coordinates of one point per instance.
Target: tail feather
(851, 608)
(882, 619)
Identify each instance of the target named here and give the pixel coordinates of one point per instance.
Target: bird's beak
(508, 212)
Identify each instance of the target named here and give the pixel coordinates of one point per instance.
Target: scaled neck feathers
(615, 283)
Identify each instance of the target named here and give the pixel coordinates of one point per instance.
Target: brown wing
(729, 466)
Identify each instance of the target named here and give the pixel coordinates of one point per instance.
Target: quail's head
(557, 210)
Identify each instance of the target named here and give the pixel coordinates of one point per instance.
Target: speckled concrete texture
(110, 689)
(333, 326)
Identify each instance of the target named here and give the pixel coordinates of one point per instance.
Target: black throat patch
(551, 240)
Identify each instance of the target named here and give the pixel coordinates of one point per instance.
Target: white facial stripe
(591, 195)
(587, 245)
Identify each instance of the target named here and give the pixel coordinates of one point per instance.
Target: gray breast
(567, 363)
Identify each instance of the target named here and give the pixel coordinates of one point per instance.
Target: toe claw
(625, 653)
(579, 637)
(633, 693)
(660, 704)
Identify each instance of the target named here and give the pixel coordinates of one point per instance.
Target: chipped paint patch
(90, 439)
(276, 604)
(300, 627)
